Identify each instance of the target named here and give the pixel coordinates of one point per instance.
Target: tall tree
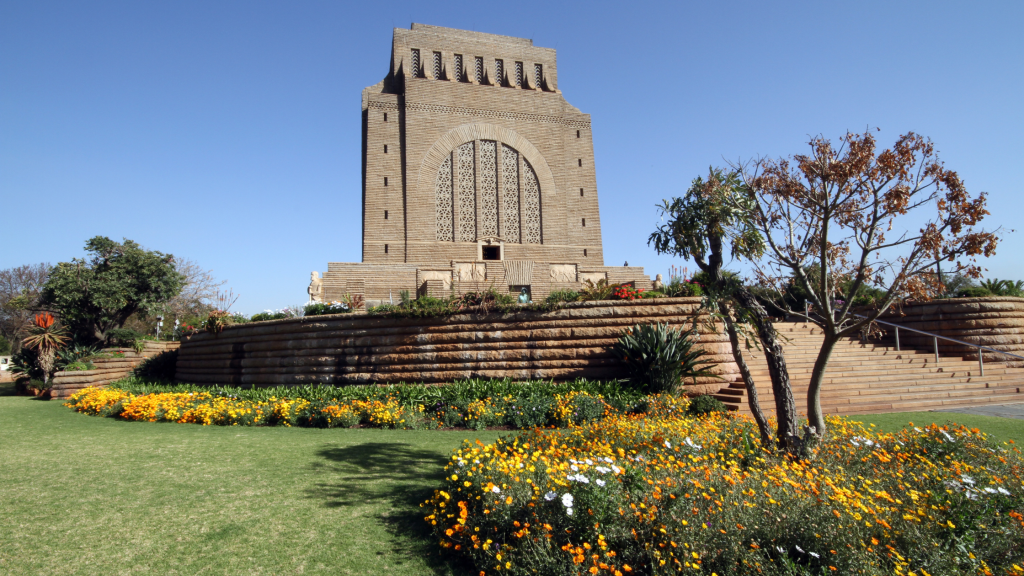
(838, 219)
(19, 294)
(711, 215)
(119, 279)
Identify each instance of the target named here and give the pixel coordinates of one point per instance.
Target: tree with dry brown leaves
(838, 219)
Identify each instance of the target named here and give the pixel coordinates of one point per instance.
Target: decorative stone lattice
(460, 73)
(510, 194)
(467, 193)
(531, 208)
(538, 75)
(519, 74)
(437, 65)
(479, 72)
(488, 188)
(415, 62)
(443, 196)
(499, 72)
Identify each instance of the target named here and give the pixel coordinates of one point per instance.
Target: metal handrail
(935, 341)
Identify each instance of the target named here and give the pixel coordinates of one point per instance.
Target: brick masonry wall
(358, 349)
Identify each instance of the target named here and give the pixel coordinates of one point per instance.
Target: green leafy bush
(321, 308)
(973, 292)
(703, 405)
(659, 357)
(563, 295)
(5, 346)
(123, 336)
(78, 366)
(268, 315)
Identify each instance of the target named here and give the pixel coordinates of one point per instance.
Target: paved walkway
(1015, 411)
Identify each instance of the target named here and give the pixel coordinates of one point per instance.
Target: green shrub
(5, 346)
(659, 357)
(79, 366)
(530, 411)
(564, 295)
(123, 336)
(321, 308)
(973, 292)
(703, 405)
(652, 294)
(268, 315)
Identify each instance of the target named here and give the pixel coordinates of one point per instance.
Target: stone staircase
(107, 369)
(870, 377)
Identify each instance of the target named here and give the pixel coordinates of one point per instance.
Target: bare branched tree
(835, 221)
(19, 295)
(200, 293)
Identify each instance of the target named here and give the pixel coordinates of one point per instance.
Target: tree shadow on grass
(395, 478)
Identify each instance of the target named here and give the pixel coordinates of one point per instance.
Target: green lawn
(88, 495)
(998, 429)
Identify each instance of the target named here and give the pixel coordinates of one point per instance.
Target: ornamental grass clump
(666, 495)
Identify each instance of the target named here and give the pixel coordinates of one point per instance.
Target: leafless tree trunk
(748, 379)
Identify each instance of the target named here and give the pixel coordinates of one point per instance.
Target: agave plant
(45, 337)
(659, 357)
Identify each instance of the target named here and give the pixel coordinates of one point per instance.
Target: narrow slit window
(519, 74)
(460, 74)
(416, 62)
(385, 214)
(385, 116)
(577, 133)
(385, 180)
(580, 162)
(385, 148)
(538, 75)
(479, 72)
(584, 252)
(581, 192)
(499, 72)
(437, 65)
(584, 220)
(385, 248)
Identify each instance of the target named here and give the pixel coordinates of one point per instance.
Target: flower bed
(384, 407)
(660, 494)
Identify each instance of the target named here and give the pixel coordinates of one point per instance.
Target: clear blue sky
(228, 133)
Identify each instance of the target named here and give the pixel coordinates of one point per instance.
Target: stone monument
(477, 173)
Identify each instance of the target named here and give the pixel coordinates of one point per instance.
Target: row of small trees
(828, 224)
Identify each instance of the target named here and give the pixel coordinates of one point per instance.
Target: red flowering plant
(626, 292)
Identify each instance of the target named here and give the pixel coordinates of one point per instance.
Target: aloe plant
(45, 337)
(659, 358)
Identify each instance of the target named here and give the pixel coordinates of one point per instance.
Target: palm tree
(45, 337)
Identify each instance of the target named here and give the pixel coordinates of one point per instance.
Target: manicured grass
(88, 495)
(998, 429)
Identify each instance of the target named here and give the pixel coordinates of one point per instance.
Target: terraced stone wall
(996, 322)
(358, 349)
(107, 369)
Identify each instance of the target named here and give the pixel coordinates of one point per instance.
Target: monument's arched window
(509, 202)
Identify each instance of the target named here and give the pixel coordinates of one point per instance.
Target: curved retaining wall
(996, 322)
(357, 349)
